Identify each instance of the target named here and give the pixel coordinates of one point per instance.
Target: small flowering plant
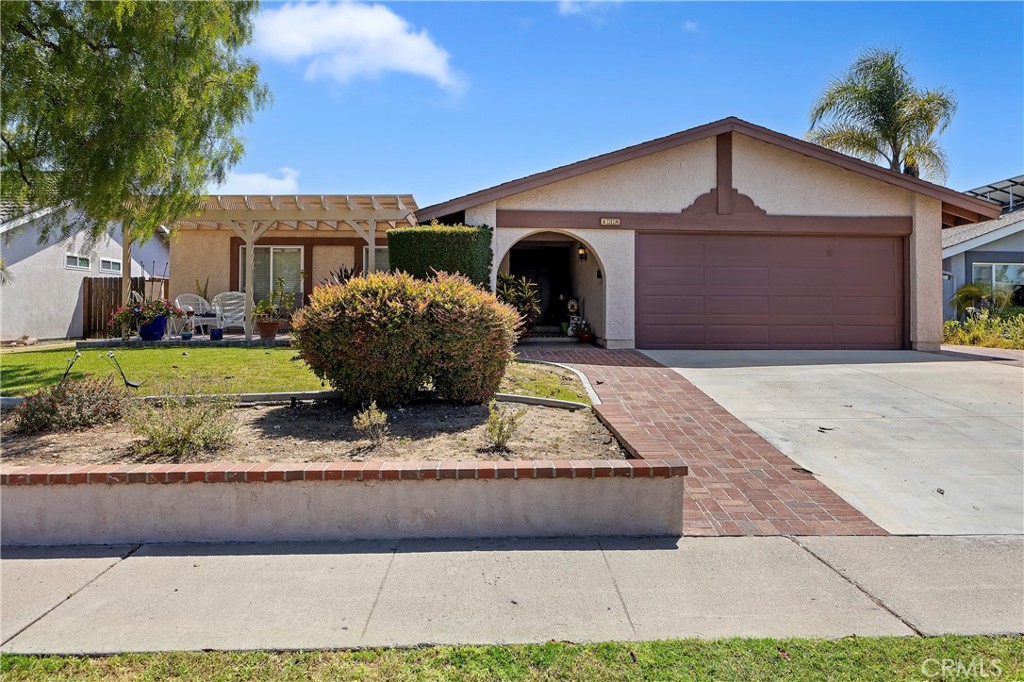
(132, 315)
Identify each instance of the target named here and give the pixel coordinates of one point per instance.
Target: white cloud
(569, 8)
(346, 40)
(260, 183)
(691, 26)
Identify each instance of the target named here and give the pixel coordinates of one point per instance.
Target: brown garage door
(769, 291)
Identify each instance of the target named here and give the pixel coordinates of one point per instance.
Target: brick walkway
(739, 484)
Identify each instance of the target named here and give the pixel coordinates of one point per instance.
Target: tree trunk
(126, 264)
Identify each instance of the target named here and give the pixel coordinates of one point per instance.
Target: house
(301, 238)
(991, 251)
(729, 235)
(45, 295)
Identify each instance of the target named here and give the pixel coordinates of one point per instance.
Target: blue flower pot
(154, 329)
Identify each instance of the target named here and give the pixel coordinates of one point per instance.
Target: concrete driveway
(920, 443)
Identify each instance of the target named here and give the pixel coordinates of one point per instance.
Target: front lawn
(216, 370)
(806, 660)
(232, 370)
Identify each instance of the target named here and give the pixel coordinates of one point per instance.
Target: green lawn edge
(851, 658)
(231, 370)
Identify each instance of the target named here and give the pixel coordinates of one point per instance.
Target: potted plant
(266, 314)
(269, 311)
(149, 318)
(584, 332)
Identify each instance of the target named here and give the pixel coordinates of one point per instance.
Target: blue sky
(441, 99)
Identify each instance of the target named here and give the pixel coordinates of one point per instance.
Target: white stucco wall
(666, 181)
(787, 183)
(340, 510)
(780, 181)
(614, 250)
(590, 289)
(45, 298)
(925, 274)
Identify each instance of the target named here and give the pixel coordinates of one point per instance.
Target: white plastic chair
(199, 306)
(230, 309)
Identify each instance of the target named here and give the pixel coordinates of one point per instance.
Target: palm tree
(875, 111)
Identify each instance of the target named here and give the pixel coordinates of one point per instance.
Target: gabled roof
(966, 237)
(956, 207)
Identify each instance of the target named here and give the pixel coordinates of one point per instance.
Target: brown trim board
(723, 172)
(307, 244)
(744, 223)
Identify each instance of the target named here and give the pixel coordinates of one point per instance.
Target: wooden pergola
(252, 216)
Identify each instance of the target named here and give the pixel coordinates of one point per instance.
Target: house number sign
(610, 222)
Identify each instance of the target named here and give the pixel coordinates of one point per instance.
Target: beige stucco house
(729, 235)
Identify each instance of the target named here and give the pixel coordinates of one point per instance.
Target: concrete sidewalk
(301, 596)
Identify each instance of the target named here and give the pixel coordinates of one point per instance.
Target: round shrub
(72, 404)
(384, 336)
(365, 337)
(471, 339)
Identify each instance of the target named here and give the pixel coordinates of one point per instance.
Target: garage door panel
(674, 276)
(720, 276)
(677, 336)
(865, 336)
(804, 335)
(883, 307)
(738, 305)
(785, 305)
(748, 335)
(769, 291)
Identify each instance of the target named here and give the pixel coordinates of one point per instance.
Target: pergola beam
(336, 214)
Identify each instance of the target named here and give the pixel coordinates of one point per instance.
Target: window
(273, 262)
(1005, 275)
(110, 266)
(381, 258)
(72, 261)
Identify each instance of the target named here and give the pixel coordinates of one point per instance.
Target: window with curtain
(273, 262)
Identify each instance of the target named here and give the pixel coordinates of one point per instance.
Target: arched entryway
(565, 268)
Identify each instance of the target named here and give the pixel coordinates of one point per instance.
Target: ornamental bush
(72, 404)
(425, 249)
(385, 336)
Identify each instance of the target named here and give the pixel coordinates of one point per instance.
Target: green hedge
(425, 249)
(385, 336)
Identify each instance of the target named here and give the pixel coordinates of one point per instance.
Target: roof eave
(958, 208)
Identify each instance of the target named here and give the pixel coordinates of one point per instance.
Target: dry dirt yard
(319, 432)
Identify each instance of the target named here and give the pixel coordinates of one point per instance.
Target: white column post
(250, 274)
(371, 239)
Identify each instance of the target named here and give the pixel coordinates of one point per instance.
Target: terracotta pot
(268, 329)
(586, 337)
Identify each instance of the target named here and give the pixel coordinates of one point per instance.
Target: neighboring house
(301, 238)
(990, 251)
(730, 235)
(45, 295)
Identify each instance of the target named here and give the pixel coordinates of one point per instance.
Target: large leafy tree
(876, 112)
(122, 111)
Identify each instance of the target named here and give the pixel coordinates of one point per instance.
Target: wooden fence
(102, 296)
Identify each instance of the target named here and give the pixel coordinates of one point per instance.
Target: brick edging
(56, 474)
